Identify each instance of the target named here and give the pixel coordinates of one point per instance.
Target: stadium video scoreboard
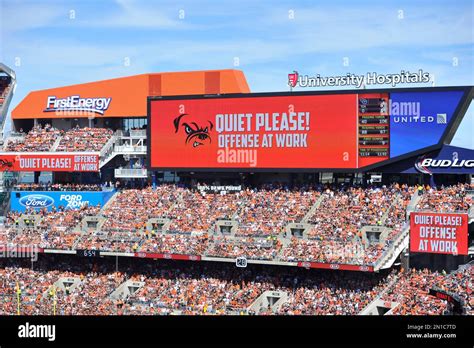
(320, 130)
(374, 120)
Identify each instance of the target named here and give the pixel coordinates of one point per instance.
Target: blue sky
(52, 43)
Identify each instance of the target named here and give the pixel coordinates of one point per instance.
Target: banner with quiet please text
(438, 233)
(66, 162)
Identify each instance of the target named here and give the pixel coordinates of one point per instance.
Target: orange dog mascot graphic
(195, 134)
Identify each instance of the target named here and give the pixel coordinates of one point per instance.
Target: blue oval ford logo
(36, 201)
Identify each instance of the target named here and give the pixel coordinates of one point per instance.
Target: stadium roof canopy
(128, 95)
(6, 73)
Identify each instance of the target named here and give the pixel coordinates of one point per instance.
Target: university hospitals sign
(358, 81)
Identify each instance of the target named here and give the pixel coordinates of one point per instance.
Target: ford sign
(36, 201)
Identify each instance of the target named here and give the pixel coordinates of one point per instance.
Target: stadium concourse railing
(184, 257)
(131, 172)
(138, 133)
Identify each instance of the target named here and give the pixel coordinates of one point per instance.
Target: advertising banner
(219, 188)
(448, 160)
(265, 132)
(57, 162)
(347, 130)
(22, 200)
(438, 233)
(419, 119)
(335, 266)
(168, 256)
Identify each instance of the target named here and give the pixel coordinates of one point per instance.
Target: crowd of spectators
(34, 288)
(84, 139)
(397, 213)
(91, 297)
(266, 212)
(188, 292)
(411, 291)
(42, 139)
(324, 251)
(131, 209)
(343, 212)
(38, 139)
(172, 288)
(251, 248)
(176, 243)
(446, 199)
(209, 289)
(221, 289)
(334, 295)
(187, 222)
(197, 212)
(31, 286)
(54, 230)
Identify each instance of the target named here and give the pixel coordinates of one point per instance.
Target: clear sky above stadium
(58, 42)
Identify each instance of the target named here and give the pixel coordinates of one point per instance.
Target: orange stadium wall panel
(128, 98)
(128, 95)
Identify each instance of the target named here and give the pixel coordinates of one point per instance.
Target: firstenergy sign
(75, 103)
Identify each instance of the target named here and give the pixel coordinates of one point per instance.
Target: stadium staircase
(120, 144)
(415, 199)
(7, 97)
(109, 202)
(64, 283)
(391, 254)
(400, 242)
(4, 202)
(312, 209)
(379, 307)
(470, 212)
(107, 153)
(126, 289)
(269, 300)
(56, 144)
(239, 209)
(386, 214)
(284, 244)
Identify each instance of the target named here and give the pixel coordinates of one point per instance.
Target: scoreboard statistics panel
(346, 130)
(374, 128)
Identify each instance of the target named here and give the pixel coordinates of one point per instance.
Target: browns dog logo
(195, 134)
(6, 165)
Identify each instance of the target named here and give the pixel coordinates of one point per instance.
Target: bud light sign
(24, 200)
